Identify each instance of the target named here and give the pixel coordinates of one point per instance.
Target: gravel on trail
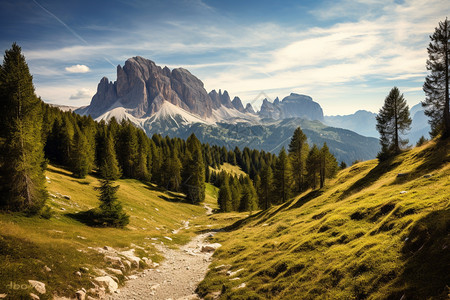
(175, 278)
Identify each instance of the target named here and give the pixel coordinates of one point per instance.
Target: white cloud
(82, 93)
(78, 69)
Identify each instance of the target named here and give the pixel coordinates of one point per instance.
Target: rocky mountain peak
(237, 104)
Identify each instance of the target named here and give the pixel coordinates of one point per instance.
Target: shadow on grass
(371, 177)
(427, 259)
(171, 196)
(86, 217)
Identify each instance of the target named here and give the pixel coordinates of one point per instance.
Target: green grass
(28, 244)
(361, 237)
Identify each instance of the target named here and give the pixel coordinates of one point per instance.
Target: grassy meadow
(369, 234)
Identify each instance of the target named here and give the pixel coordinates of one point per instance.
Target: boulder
(107, 282)
(38, 286)
(115, 271)
(211, 247)
(80, 295)
(131, 257)
(47, 269)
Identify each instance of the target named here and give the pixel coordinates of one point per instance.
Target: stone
(78, 273)
(427, 176)
(403, 192)
(168, 238)
(211, 247)
(3, 296)
(47, 269)
(131, 257)
(107, 282)
(34, 296)
(38, 286)
(131, 277)
(110, 249)
(80, 295)
(67, 197)
(115, 271)
(97, 292)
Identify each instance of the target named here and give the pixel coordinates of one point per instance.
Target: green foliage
(224, 200)
(436, 86)
(421, 141)
(393, 120)
(282, 178)
(298, 151)
(328, 165)
(194, 171)
(22, 180)
(249, 199)
(266, 188)
(83, 155)
(313, 166)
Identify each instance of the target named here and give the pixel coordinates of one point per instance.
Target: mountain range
(175, 103)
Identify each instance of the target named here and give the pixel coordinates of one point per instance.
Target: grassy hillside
(230, 169)
(62, 243)
(370, 234)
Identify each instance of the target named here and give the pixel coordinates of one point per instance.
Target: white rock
(47, 269)
(131, 257)
(107, 282)
(34, 296)
(81, 237)
(115, 271)
(81, 295)
(168, 238)
(131, 277)
(3, 296)
(38, 286)
(403, 192)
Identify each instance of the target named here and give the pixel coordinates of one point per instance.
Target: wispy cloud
(77, 69)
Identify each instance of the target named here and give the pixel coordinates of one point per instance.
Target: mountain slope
(369, 234)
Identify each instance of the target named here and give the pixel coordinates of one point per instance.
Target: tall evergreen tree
(328, 164)
(265, 190)
(393, 120)
(224, 200)
(298, 151)
(194, 171)
(109, 166)
(110, 212)
(283, 177)
(313, 166)
(22, 180)
(249, 199)
(83, 155)
(127, 149)
(436, 86)
(172, 171)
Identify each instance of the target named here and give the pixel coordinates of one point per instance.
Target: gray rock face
(142, 87)
(249, 109)
(292, 106)
(237, 104)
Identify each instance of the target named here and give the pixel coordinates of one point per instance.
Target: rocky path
(176, 277)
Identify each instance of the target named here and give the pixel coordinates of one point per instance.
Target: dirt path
(176, 277)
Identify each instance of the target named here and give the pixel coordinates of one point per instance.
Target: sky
(345, 54)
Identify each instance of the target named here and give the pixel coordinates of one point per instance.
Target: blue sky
(345, 54)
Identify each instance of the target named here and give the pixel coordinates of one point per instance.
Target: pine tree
(266, 188)
(82, 159)
(224, 200)
(110, 213)
(22, 177)
(298, 151)
(436, 86)
(313, 166)
(393, 120)
(109, 165)
(328, 164)
(235, 188)
(283, 177)
(172, 171)
(194, 171)
(127, 149)
(249, 199)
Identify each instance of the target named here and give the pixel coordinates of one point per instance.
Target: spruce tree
(298, 151)
(22, 179)
(224, 200)
(82, 159)
(172, 171)
(194, 171)
(110, 213)
(328, 164)
(109, 166)
(313, 166)
(266, 188)
(436, 86)
(393, 120)
(249, 199)
(283, 177)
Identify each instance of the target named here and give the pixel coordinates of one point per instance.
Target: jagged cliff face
(142, 87)
(292, 106)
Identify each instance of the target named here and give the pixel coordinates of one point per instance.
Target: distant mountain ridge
(175, 103)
